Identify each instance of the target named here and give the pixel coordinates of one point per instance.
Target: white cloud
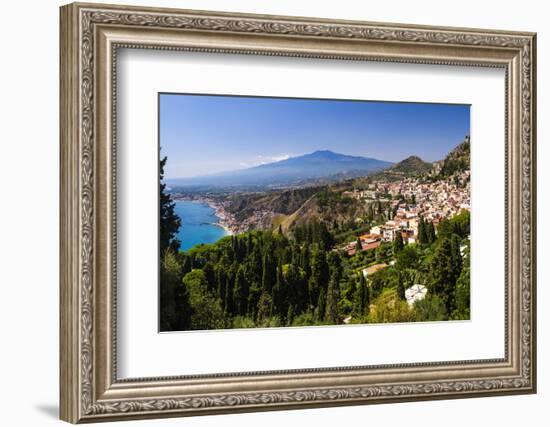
(263, 160)
(271, 159)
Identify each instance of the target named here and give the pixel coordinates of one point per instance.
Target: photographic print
(291, 212)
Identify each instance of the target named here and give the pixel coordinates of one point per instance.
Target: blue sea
(198, 224)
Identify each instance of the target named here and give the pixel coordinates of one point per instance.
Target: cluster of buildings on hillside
(411, 200)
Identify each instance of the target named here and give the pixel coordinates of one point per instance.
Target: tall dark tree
(456, 255)
(305, 260)
(319, 275)
(443, 273)
(358, 246)
(350, 289)
(290, 315)
(362, 297)
(169, 221)
(240, 292)
(325, 238)
(268, 272)
(278, 292)
(333, 296)
(229, 289)
(400, 286)
(210, 274)
(296, 286)
(335, 264)
(422, 232)
(321, 305)
(398, 244)
(221, 277)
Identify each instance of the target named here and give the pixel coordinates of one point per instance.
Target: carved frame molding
(90, 36)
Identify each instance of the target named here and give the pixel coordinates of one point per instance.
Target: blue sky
(203, 134)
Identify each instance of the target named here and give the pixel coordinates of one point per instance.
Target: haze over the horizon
(204, 134)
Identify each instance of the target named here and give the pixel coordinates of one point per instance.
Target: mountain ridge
(412, 164)
(320, 164)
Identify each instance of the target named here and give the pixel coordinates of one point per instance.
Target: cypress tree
(400, 286)
(443, 274)
(398, 244)
(240, 292)
(290, 315)
(358, 299)
(422, 235)
(361, 301)
(456, 256)
(363, 285)
(268, 273)
(366, 297)
(210, 276)
(333, 295)
(230, 286)
(335, 269)
(222, 286)
(325, 238)
(278, 297)
(321, 303)
(319, 275)
(304, 258)
(358, 246)
(170, 222)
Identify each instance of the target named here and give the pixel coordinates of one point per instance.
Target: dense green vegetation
(412, 165)
(294, 274)
(265, 279)
(457, 160)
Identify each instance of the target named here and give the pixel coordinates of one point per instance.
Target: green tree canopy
(206, 310)
(169, 220)
(431, 308)
(175, 309)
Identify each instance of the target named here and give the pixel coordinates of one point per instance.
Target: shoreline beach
(219, 212)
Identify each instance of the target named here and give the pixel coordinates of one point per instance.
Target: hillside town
(411, 200)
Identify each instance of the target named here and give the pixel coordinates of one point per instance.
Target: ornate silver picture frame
(91, 35)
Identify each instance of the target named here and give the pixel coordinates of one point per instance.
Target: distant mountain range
(319, 166)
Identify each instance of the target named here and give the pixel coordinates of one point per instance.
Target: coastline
(219, 212)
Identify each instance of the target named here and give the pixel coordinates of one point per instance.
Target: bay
(199, 224)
